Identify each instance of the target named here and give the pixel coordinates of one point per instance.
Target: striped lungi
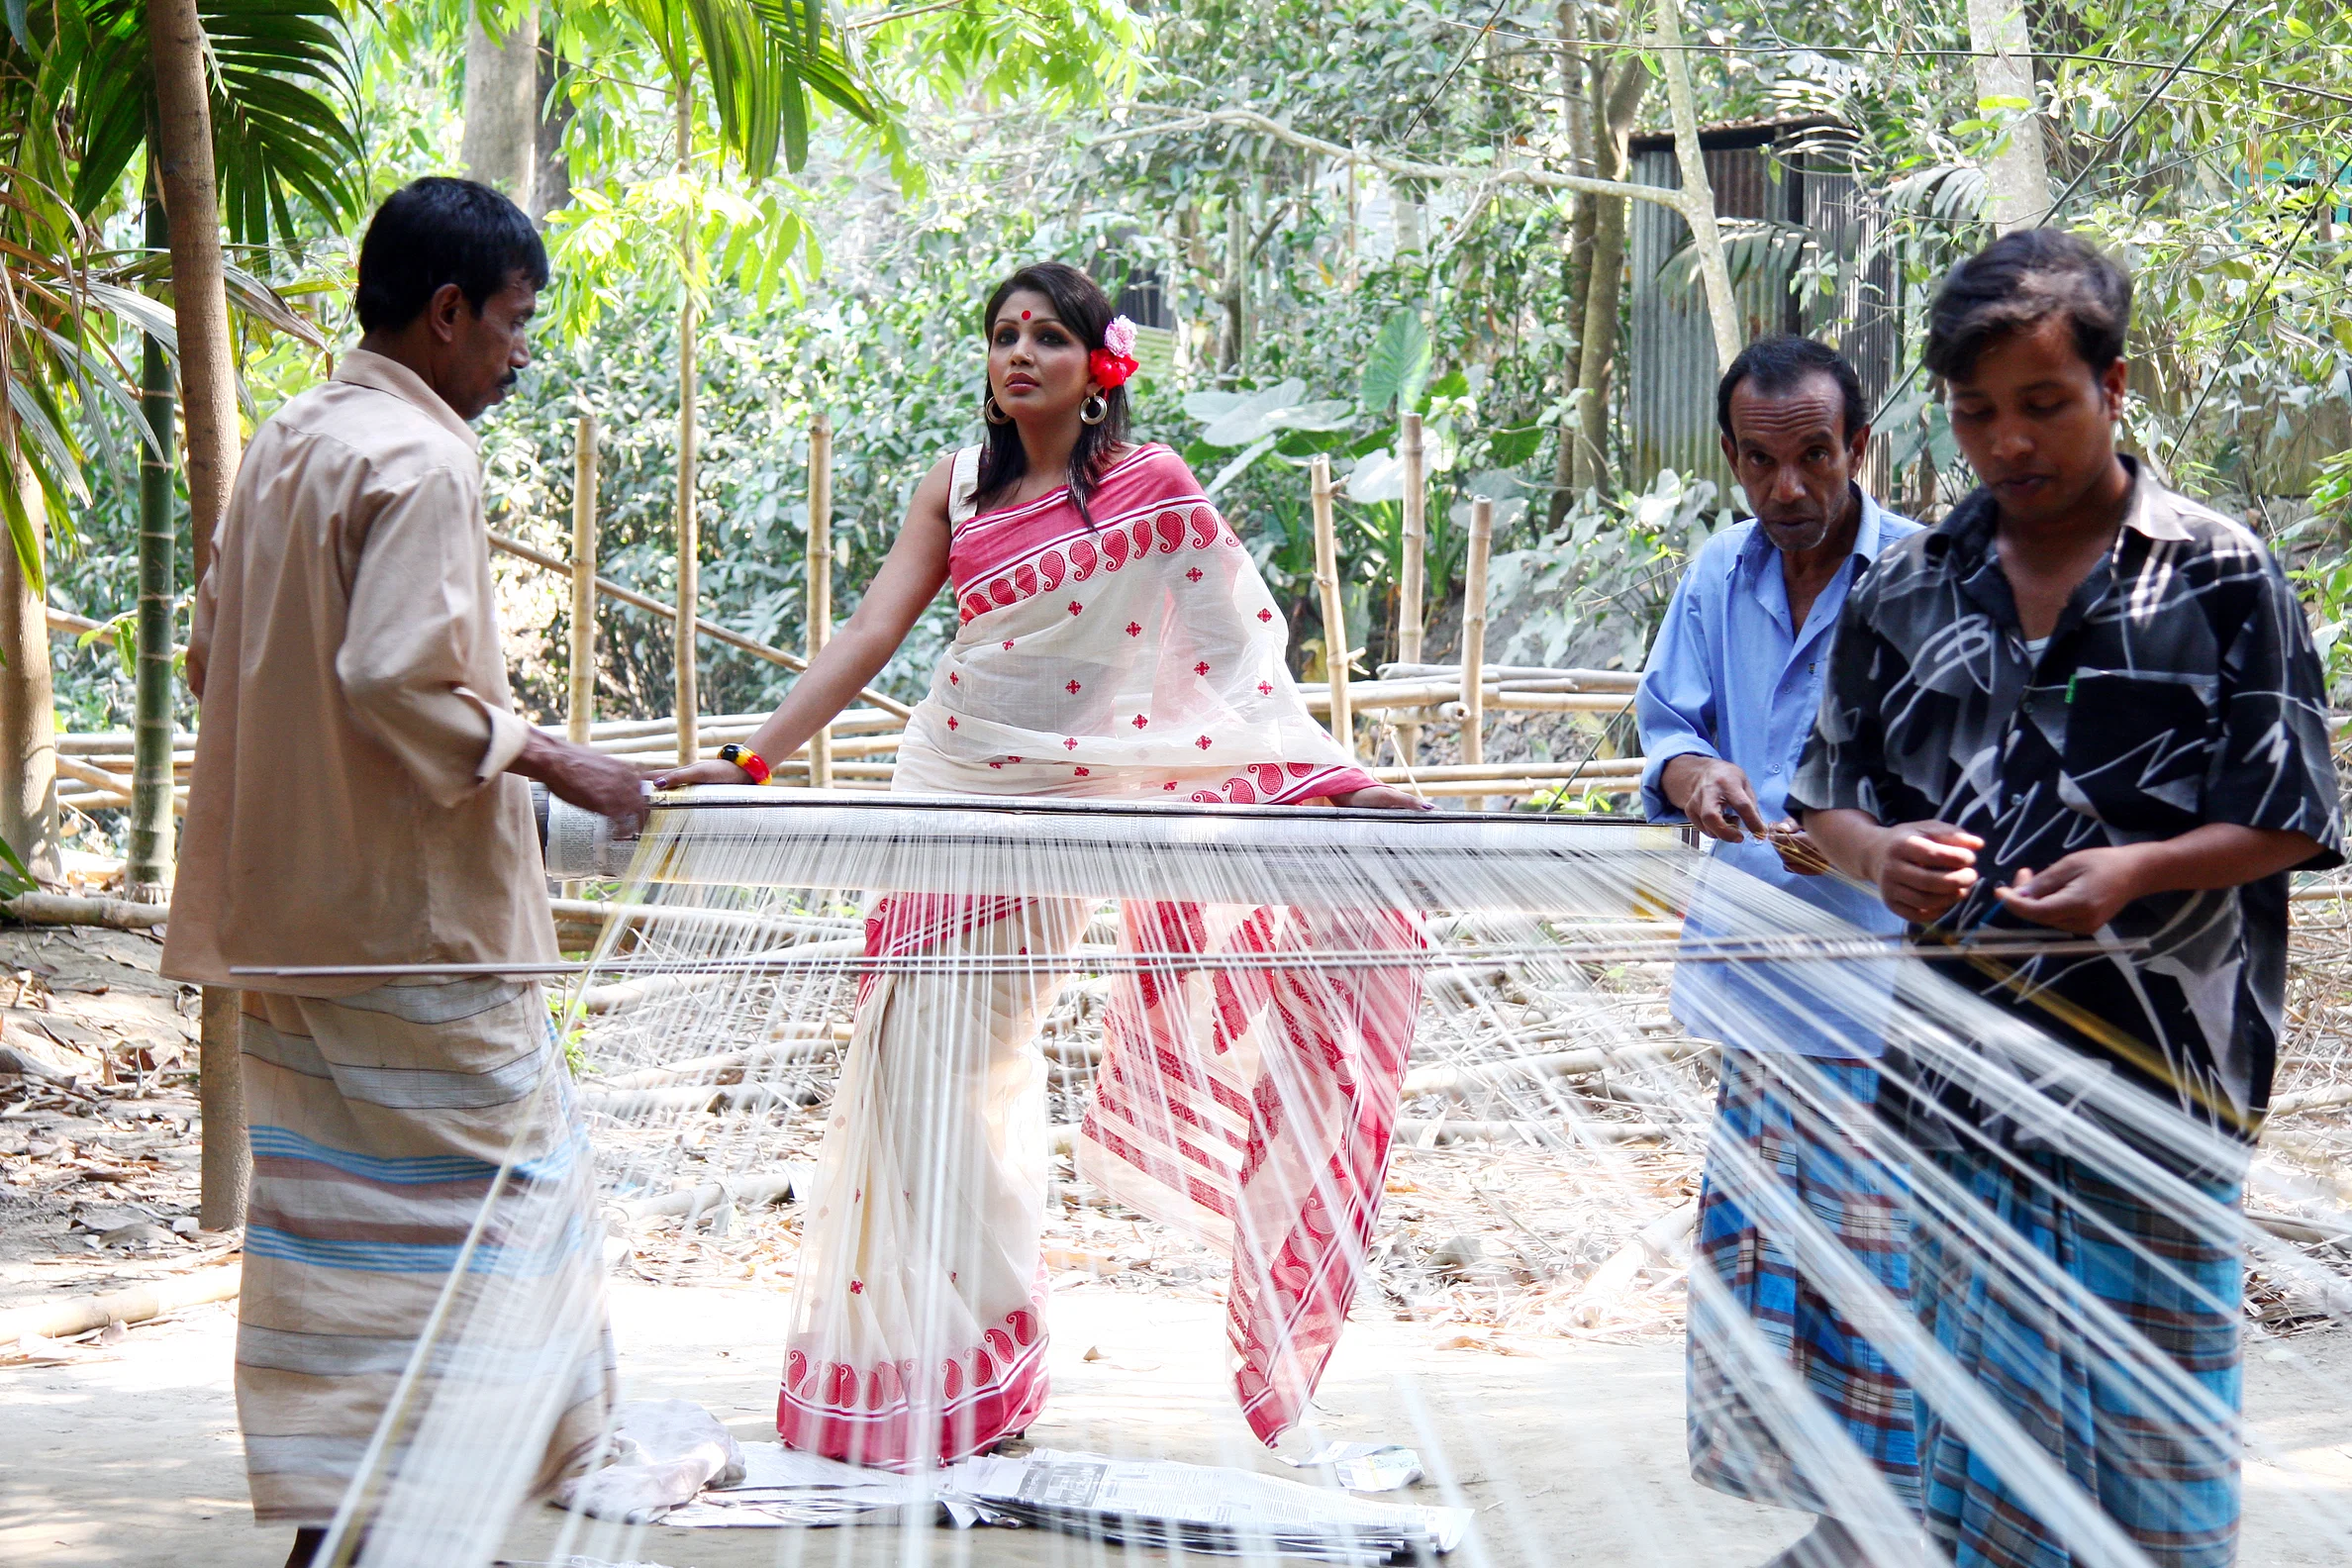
(379, 1122)
(2170, 1480)
(1777, 1109)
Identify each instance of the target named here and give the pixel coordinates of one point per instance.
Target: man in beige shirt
(360, 798)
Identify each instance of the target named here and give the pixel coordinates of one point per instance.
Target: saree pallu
(1138, 656)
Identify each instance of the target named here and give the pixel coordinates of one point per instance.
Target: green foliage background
(2207, 147)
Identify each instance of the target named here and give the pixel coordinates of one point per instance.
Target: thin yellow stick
(1474, 623)
(820, 579)
(583, 583)
(1334, 615)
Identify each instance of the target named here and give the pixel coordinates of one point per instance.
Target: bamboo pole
(136, 1304)
(703, 624)
(820, 580)
(1411, 564)
(225, 1157)
(1335, 613)
(583, 583)
(147, 869)
(689, 535)
(1474, 618)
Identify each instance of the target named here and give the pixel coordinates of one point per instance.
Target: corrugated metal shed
(1787, 173)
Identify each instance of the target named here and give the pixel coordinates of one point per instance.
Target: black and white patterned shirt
(2180, 687)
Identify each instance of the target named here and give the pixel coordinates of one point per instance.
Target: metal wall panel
(1670, 366)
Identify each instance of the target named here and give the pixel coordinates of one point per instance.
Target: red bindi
(1025, 315)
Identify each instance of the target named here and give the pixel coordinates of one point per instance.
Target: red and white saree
(1141, 656)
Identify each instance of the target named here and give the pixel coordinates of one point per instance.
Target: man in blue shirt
(1725, 707)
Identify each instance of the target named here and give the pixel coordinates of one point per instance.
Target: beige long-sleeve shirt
(351, 804)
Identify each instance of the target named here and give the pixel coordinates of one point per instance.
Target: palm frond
(285, 108)
(763, 59)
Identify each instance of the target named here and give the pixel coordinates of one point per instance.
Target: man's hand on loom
(1796, 849)
(1716, 795)
(1923, 868)
(1382, 797)
(590, 780)
(2081, 893)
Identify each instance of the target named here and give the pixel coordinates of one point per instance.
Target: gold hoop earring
(1100, 409)
(991, 413)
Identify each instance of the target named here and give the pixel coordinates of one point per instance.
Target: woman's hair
(1080, 303)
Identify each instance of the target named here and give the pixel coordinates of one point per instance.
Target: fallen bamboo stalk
(63, 909)
(705, 1069)
(118, 741)
(613, 996)
(136, 1304)
(63, 623)
(706, 628)
(114, 800)
(83, 772)
(750, 1193)
(712, 1099)
(1654, 1243)
(2306, 1230)
(1457, 1079)
(2326, 1099)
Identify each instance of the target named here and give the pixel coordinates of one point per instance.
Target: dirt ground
(1567, 1451)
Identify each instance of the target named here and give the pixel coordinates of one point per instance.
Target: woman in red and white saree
(1114, 643)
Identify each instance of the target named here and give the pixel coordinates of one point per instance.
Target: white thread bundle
(745, 957)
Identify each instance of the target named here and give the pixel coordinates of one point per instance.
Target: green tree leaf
(1398, 368)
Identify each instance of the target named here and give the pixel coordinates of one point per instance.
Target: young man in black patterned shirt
(2082, 704)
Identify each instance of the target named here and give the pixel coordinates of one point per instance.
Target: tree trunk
(1236, 286)
(2017, 178)
(28, 702)
(502, 122)
(687, 699)
(1620, 90)
(1723, 309)
(552, 190)
(183, 150)
(199, 301)
(1577, 121)
(147, 869)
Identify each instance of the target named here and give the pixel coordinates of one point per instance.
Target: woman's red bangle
(745, 758)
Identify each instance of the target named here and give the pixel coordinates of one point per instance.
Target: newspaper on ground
(1361, 1466)
(1203, 1508)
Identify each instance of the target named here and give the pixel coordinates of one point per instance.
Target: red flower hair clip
(1114, 363)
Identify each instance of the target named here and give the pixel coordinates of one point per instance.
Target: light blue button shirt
(1731, 676)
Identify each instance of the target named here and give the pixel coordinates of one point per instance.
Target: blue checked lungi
(378, 1124)
(2173, 1491)
(1760, 1108)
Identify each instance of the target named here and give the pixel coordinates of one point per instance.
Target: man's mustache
(510, 381)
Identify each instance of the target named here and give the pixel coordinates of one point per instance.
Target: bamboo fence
(854, 752)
